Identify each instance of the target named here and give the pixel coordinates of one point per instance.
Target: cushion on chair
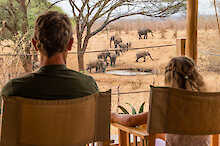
(69, 122)
(178, 111)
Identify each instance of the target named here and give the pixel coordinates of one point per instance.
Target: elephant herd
(120, 47)
(102, 62)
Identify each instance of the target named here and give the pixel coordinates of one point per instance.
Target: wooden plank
(137, 131)
(114, 144)
(192, 22)
(180, 47)
(128, 139)
(145, 142)
(134, 140)
(151, 140)
(142, 142)
(161, 136)
(215, 140)
(122, 137)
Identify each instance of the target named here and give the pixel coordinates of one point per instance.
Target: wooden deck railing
(125, 134)
(146, 139)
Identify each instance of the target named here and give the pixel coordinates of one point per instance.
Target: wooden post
(180, 47)
(122, 136)
(151, 140)
(135, 143)
(118, 89)
(215, 140)
(192, 20)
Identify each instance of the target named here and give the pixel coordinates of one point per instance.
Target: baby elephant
(143, 54)
(99, 65)
(104, 55)
(116, 40)
(123, 47)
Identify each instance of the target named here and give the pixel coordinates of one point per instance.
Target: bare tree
(87, 12)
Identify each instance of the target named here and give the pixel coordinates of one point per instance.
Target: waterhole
(130, 72)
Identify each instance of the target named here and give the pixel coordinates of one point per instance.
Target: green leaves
(11, 12)
(141, 108)
(123, 109)
(133, 110)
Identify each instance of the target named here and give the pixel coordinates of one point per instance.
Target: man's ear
(69, 46)
(34, 42)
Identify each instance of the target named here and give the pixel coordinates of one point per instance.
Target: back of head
(181, 72)
(53, 31)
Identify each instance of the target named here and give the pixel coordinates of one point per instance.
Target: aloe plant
(133, 110)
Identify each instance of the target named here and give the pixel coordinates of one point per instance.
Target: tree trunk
(26, 60)
(27, 63)
(81, 62)
(80, 53)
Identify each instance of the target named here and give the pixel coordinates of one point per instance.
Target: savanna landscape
(165, 32)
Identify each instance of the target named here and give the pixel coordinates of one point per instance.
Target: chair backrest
(178, 111)
(69, 122)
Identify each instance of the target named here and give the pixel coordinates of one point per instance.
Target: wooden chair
(177, 111)
(69, 122)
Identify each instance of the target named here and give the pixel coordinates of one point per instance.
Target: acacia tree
(17, 18)
(14, 19)
(87, 12)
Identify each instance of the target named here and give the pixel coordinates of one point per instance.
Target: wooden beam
(215, 140)
(122, 135)
(192, 23)
(180, 47)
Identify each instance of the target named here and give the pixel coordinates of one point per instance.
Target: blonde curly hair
(181, 72)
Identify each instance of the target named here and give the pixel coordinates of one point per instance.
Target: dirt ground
(208, 41)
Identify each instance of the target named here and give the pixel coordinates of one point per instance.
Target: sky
(205, 7)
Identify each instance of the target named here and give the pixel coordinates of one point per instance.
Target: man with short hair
(53, 39)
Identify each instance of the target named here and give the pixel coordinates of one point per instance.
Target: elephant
(117, 51)
(104, 55)
(144, 32)
(129, 44)
(123, 47)
(143, 54)
(116, 40)
(99, 65)
(113, 59)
